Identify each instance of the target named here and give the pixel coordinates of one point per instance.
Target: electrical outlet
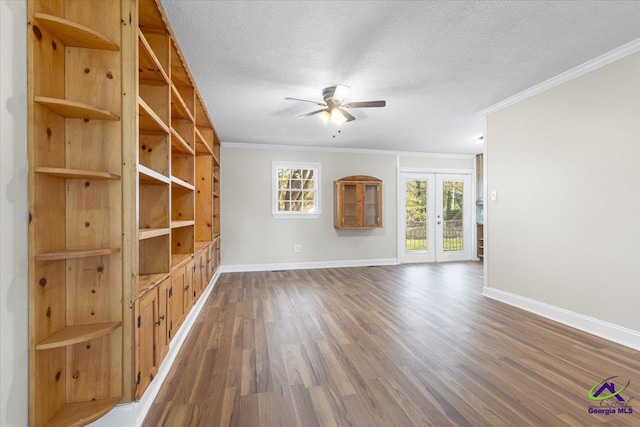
(297, 248)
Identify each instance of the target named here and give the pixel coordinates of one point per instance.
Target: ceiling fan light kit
(334, 97)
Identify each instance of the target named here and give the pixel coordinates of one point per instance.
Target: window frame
(275, 166)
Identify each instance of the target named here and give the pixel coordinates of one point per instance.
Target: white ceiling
(435, 63)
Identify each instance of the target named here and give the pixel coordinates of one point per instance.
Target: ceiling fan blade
(334, 95)
(322, 104)
(312, 113)
(347, 116)
(341, 93)
(365, 104)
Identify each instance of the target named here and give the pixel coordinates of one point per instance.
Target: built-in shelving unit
(176, 163)
(75, 204)
(124, 178)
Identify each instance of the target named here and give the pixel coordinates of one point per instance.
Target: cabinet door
(190, 274)
(198, 273)
(178, 283)
(372, 205)
(209, 266)
(349, 204)
(147, 339)
(163, 319)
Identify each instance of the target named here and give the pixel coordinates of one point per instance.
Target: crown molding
(251, 145)
(602, 60)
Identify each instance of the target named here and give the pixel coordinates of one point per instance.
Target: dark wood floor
(408, 345)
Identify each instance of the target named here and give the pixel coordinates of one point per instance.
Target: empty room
(319, 213)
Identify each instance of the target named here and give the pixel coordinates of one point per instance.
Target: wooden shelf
(180, 224)
(82, 413)
(179, 107)
(75, 110)
(149, 66)
(179, 143)
(216, 178)
(74, 34)
(201, 144)
(76, 173)
(149, 120)
(178, 183)
(148, 281)
(149, 233)
(178, 259)
(201, 245)
(76, 334)
(151, 177)
(75, 253)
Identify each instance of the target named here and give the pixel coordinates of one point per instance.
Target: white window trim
(275, 165)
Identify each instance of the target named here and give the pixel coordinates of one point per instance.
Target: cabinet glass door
(371, 217)
(350, 205)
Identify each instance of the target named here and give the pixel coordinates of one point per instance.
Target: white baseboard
(241, 268)
(133, 414)
(602, 329)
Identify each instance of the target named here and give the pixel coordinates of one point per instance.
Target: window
(296, 190)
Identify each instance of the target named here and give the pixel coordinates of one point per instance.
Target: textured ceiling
(435, 63)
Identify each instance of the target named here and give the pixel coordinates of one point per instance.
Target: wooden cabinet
(124, 179)
(357, 202)
(151, 334)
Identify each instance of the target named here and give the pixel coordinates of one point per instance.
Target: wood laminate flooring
(407, 345)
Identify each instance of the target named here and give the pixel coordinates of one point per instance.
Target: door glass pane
(350, 207)
(370, 204)
(416, 215)
(452, 212)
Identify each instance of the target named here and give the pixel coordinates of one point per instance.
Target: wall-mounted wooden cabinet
(124, 188)
(357, 202)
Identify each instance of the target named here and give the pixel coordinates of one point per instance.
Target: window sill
(295, 216)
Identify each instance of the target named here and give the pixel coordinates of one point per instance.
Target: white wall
(565, 230)
(251, 235)
(13, 215)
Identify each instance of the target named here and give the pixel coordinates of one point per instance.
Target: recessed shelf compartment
(179, 108)
(150, 69)
(76, 334)
(73, 34)
(179, 74)
(202, 146)
(75, 253)
(75, 110)
(82, 413)
(154, 152)
(182, 167)
(149, 120)
(75, 173)
(154, 255)
(151, 177)
(179, 144)
(149, 233)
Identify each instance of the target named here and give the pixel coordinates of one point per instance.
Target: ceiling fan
(334, 108)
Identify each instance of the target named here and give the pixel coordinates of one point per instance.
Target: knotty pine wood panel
(381, 346)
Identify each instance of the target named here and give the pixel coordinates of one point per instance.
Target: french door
(435, 217)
